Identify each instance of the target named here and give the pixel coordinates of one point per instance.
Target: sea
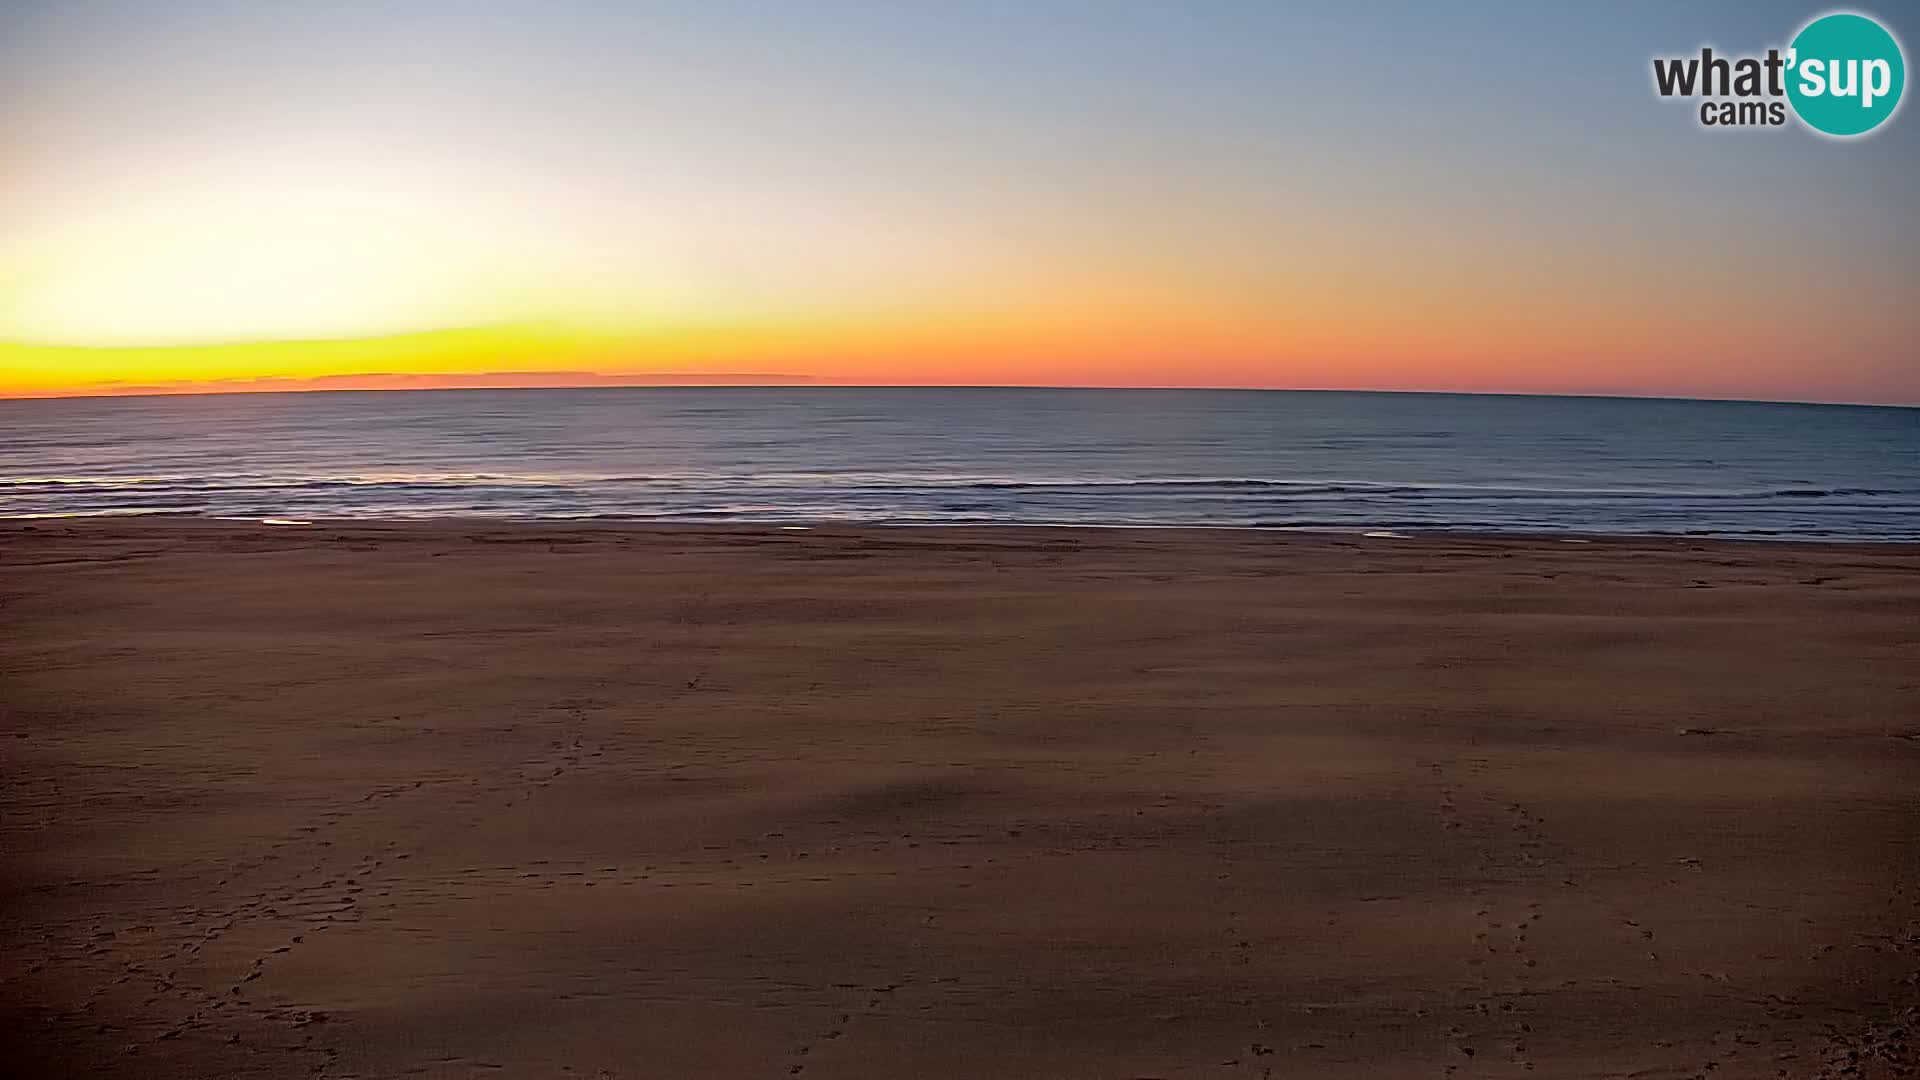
(949, 456)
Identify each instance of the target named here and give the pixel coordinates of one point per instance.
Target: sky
(265, 194)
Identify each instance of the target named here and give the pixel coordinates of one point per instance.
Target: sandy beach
(459, 799)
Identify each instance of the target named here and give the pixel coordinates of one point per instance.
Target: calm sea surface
(926, 456)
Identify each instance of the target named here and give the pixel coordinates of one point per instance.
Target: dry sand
(482, 800)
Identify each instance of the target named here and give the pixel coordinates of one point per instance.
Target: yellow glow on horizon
(506, 349)
(282, 282)
(1074, 344)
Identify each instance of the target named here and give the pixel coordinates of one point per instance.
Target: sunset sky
(260, 194)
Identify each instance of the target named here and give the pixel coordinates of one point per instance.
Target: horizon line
(722, 381)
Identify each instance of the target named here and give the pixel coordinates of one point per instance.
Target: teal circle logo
(1845, 73)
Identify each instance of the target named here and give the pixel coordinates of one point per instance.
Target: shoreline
(164, 520)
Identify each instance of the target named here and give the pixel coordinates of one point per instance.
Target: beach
(454, 799)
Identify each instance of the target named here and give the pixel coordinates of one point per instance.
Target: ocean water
(1308, 460)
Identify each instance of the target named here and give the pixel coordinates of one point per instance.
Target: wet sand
(454, 800)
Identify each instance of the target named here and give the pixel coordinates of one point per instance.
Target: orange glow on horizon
(1406, 353)
(1071, 314)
